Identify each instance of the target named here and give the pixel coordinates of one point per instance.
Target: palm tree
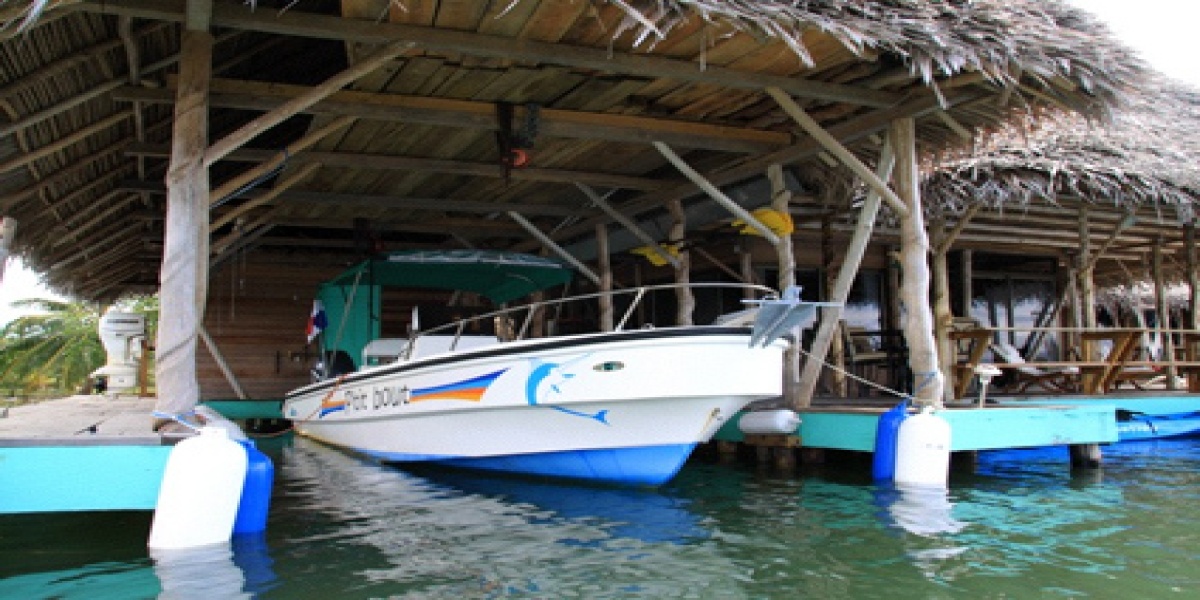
(54, 351)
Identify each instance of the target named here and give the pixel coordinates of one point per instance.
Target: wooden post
(942, 310)
(184, 276)
(746, 260)
(1193, 277)
(686, 301)
(604, 264)
(917, 321)
(1163, 307)
(781, 199)
(8, 229)
(1087, 287)
(830, 316)
(943, 316)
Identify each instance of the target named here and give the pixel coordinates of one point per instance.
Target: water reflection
(399, 534)
(642, 514)
(920, 510)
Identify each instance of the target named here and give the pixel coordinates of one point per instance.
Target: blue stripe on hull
(1155, 427)
(648, 465)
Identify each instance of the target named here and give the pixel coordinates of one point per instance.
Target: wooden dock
(1077, 421)
(81, 453)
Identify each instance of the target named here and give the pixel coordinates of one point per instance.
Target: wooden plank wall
(258, 309)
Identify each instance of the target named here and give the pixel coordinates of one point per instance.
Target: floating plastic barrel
(767, 422)
(256, 492)
(883, 466)
(200, 493)
(923, 450)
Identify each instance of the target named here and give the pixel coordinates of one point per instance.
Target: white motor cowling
(121, 334)
(923, 450)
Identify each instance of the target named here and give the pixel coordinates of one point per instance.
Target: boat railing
(529, 313)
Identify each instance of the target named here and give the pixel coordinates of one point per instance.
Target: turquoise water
(1021, 526)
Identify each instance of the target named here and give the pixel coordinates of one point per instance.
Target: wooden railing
(1091, 372)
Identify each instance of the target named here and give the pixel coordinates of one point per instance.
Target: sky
(1159, 30)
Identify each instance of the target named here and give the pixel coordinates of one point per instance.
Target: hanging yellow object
(655, 258)
(779, 222)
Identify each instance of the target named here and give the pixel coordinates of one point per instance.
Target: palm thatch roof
(1147, 154)
(1141, 162)
(88, 87)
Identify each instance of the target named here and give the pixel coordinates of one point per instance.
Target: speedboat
(484, 391)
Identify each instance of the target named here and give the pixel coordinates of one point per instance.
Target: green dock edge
(1023, 423)
(240, 410)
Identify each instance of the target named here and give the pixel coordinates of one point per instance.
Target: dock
(1079, 422)
(81, 453)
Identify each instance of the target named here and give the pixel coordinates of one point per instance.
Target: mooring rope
(862, 380)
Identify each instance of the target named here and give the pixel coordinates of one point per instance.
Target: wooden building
(236, 155)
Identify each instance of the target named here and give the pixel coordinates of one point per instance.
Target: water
(1020, 527)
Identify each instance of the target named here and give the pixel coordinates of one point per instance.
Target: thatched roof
(1146, 155)
(88, 87)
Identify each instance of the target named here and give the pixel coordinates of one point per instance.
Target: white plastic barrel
(201, 489)
(766, 422)
(923, 450)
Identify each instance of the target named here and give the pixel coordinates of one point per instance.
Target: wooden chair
(863, 359)
(1065, 379)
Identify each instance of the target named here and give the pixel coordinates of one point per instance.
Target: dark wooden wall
(258, 307)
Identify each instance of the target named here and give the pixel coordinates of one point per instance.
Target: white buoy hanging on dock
(923, 450)
(200, 493)
(769, 422)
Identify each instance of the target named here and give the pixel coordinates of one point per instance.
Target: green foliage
(56, 350)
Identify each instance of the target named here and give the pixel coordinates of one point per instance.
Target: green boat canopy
(498, 276)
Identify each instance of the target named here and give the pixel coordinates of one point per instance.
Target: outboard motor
(121, 333)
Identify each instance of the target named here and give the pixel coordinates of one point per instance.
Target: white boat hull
(624, 407)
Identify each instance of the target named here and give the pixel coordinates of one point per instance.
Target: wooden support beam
(914, 286)
(554, 247)
(389, 162)
(298, 23)
(685, 300)
(715, 193)
(952, 236)
(26, 159)
(448, 205)
(604, 264)
(184, 273)
(8, 229)
(277, 159)
(831, 144)
(280, 187)
(830, 316)
(470, 114)
(628, 224)
(298, 104)
(1124, 224)
(1193, 276)
(215, 352)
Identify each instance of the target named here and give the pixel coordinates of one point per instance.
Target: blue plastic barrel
(883, 466)
(256, 492)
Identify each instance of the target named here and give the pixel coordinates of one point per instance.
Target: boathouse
(231, 155)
